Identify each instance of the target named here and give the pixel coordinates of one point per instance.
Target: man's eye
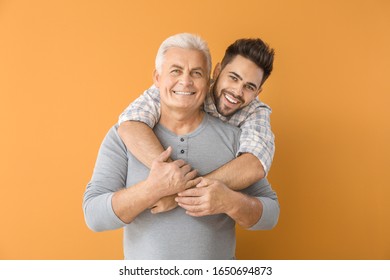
(251, 88)
(175, 71)
(234, 78)
(198, 74)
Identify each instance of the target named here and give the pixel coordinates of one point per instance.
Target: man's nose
(186, 80)
(239, 89)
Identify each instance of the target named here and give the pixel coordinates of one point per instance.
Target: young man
(122, 188)
(232, 98)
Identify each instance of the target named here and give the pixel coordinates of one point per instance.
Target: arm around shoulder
(136, 124)
(141, 141)
(247, 165)
(257, 137)
(255, 151)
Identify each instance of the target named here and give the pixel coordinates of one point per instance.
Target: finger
(203, 183)
(191, 192)
(191, 175)
(192, 183)
(188, 201)
(194, 210)
(186, 168)
(197, 214)
(164, 156)
(157, 210)
(180, 162)
(154, 210)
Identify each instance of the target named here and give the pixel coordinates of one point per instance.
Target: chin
(227, 113)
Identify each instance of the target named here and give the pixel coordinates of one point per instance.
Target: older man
(122, 189)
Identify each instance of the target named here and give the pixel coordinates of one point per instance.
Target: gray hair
(184, 41)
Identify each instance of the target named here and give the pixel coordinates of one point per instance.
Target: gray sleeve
(109, 176)
(267, 196)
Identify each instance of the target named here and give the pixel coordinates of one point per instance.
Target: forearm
(128, 203)
(239, 173)
(212, 197)
(141, 141)
(245, 210)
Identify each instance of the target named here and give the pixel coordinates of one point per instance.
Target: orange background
(68, 68)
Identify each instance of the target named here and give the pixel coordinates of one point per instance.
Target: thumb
(203, 183)
(193, 183)
(164, 156)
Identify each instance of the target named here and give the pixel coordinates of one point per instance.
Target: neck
(181, 122)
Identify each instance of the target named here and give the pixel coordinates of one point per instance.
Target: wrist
(152, 190)
(232, 206)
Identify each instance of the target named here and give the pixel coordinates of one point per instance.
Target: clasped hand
(170, 178)
(178, 185)
(209, 197)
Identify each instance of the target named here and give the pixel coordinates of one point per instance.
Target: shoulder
(218, 123)
(112, 140)
(253, 111)
(257, 106)
(221, 128)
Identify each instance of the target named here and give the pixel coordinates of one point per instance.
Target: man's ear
(156, 77)
(217, 71)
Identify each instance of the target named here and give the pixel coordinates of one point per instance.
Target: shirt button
(182, 139)
(182, 151)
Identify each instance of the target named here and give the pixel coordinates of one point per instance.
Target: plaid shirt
(253, 120)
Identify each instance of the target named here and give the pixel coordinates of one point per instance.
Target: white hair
(184, 41)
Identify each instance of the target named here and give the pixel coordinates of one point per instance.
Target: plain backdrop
(68, 69)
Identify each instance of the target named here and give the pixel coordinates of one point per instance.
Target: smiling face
(236, 85)
(183, 80)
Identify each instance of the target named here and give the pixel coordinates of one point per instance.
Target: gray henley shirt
(173, 234)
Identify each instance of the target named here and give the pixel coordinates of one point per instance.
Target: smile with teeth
(231, 99)
(184, 92)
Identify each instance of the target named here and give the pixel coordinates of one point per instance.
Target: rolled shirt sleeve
(257, 137)
(146, 108)
(254, 121)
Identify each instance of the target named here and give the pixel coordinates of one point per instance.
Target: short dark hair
(253, 49)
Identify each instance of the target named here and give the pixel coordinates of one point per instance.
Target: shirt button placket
(182, 148)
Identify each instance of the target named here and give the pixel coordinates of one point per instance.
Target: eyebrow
(176, 66)
(240, 78)
(192, 69)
